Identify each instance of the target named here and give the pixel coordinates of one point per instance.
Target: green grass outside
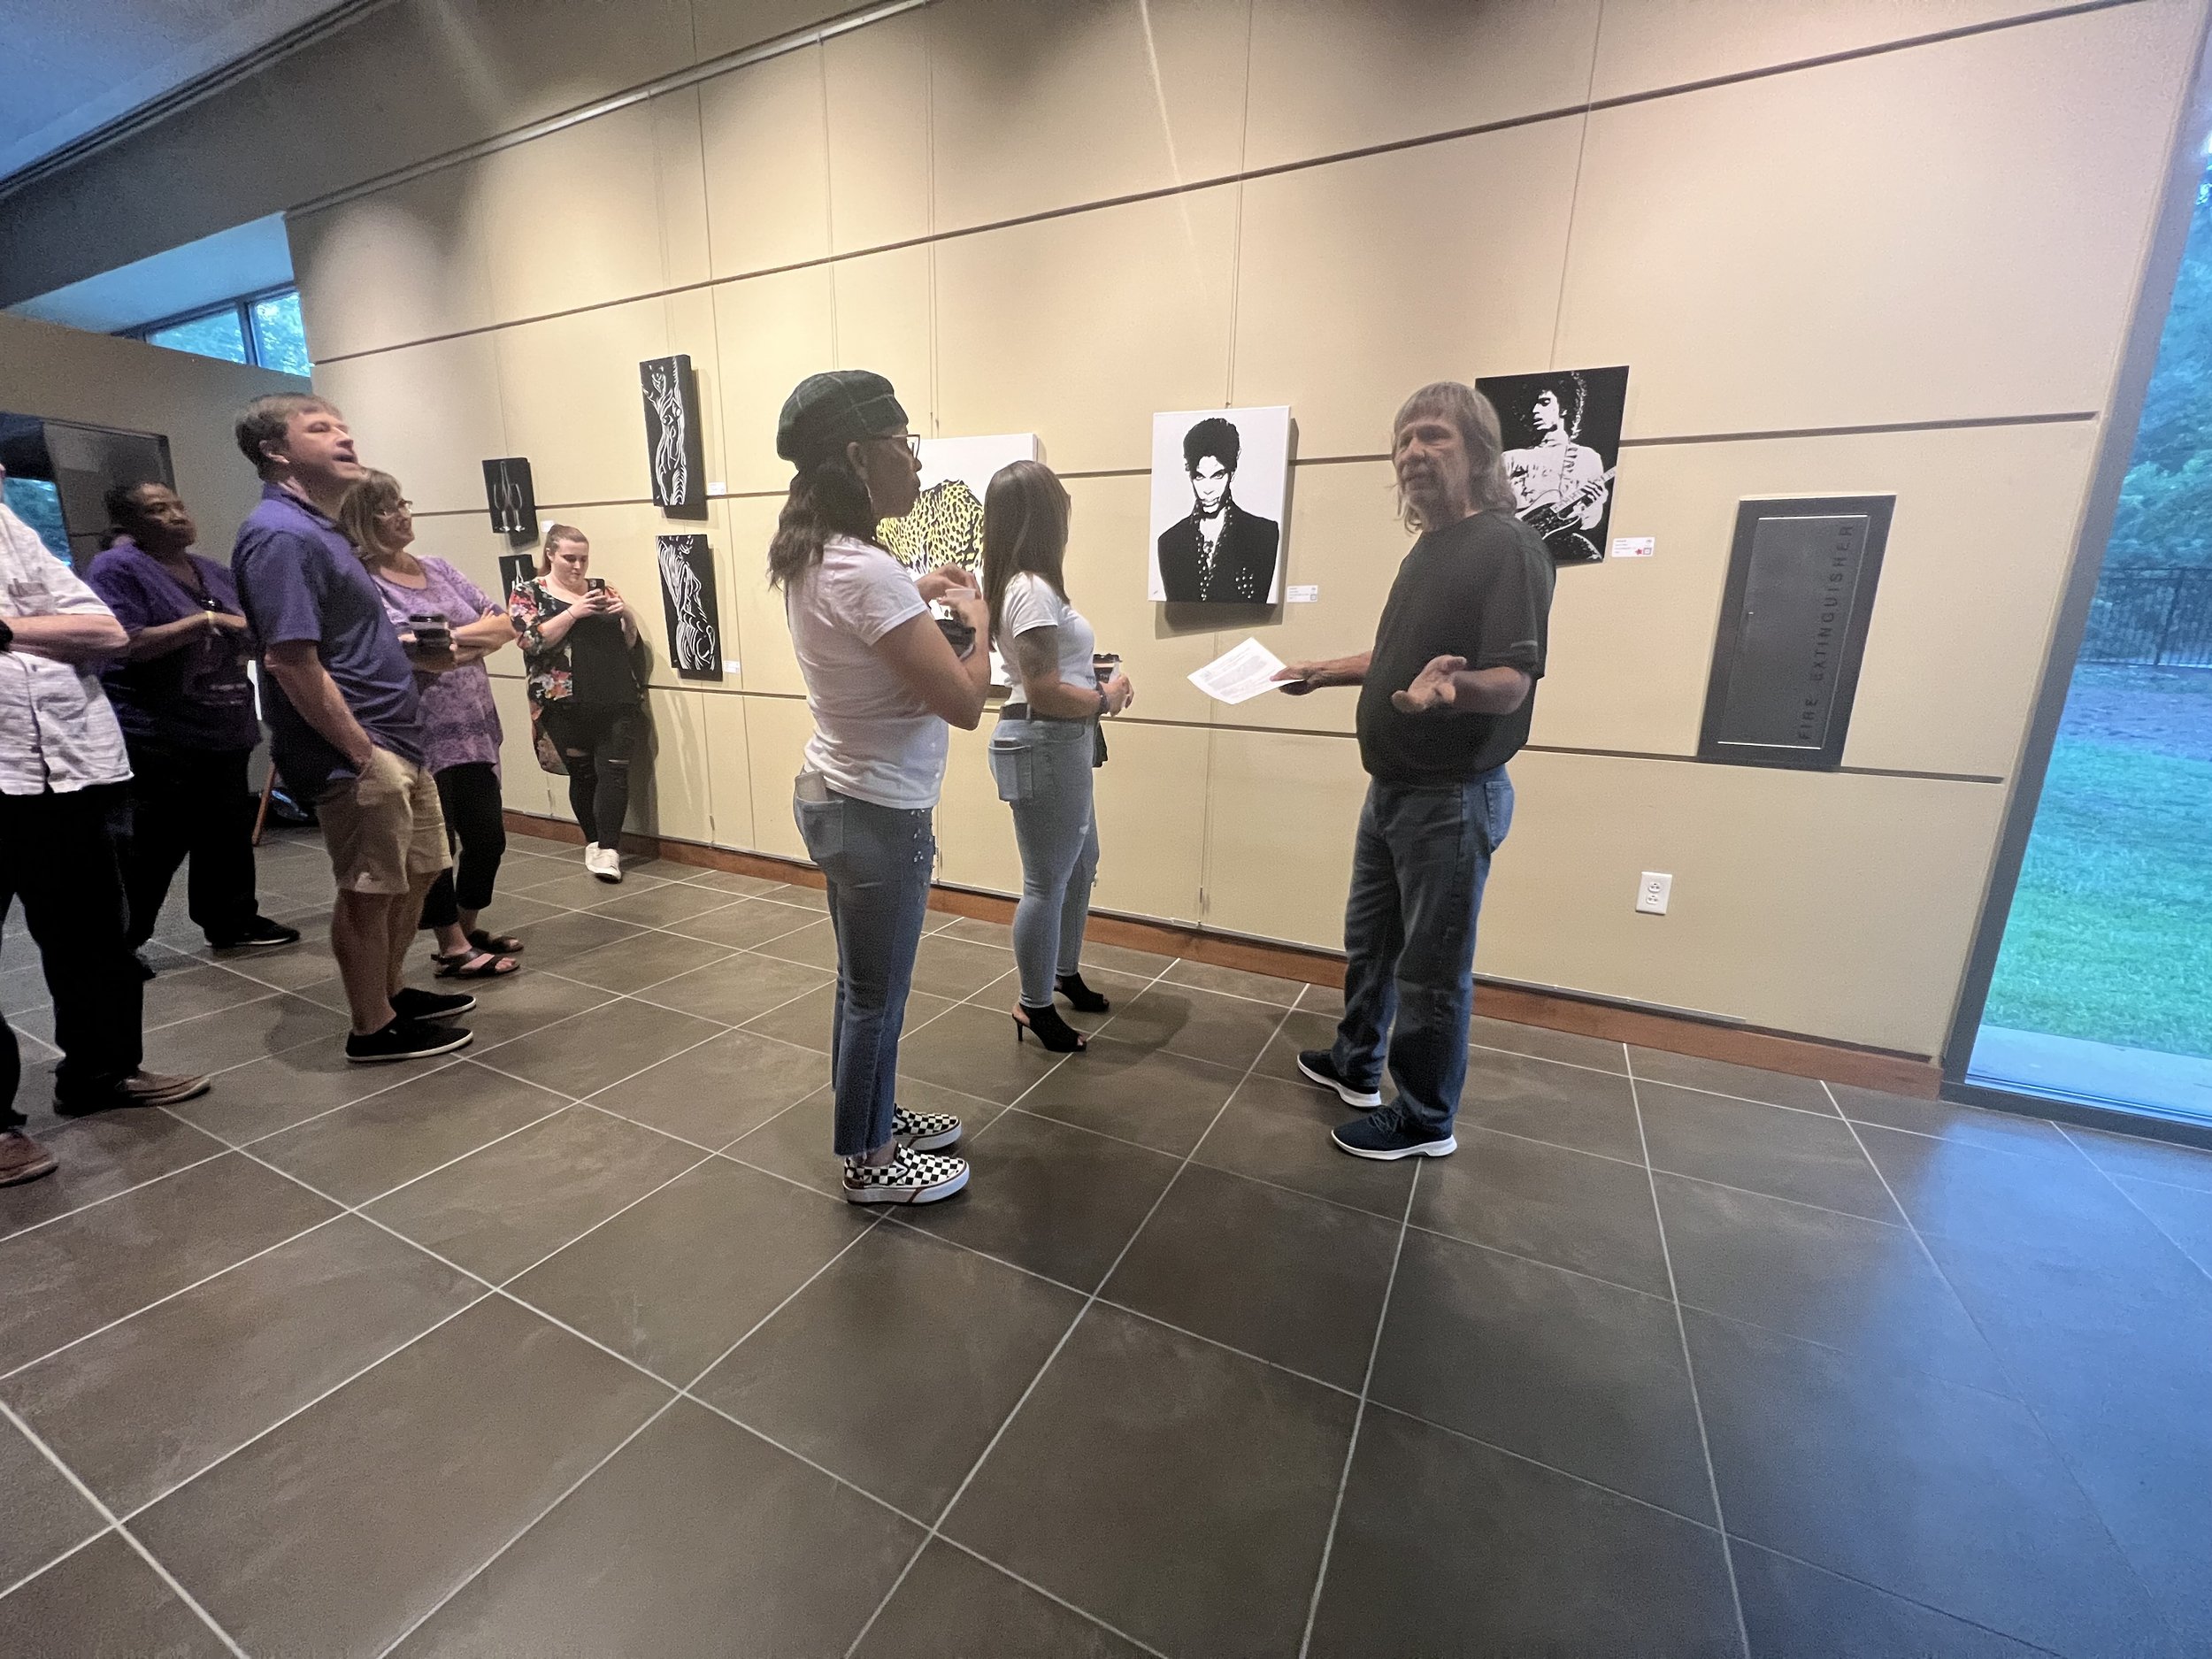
(2111, 931)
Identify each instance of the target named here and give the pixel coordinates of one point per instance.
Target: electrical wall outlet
(1653, 890)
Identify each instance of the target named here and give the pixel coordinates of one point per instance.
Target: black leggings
(596, 741)
(476, 822)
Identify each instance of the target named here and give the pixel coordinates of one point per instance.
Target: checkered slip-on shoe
(911, 1178)
(924, 1132)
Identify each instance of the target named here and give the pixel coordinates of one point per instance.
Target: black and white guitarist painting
(1563, 437)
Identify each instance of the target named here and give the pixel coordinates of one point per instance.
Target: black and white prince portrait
(1219, 477)
(1563, 439)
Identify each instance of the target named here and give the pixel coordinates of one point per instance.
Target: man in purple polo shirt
(345, 725)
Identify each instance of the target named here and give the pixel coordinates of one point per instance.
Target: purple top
(301, 581)
(196, 696)
(459, 721)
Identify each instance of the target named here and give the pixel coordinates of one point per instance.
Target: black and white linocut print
(689, 607)
(1219, 480)
(514, 570)
(673, 442)
(512, 501)
(945, 525)
(1562, 441)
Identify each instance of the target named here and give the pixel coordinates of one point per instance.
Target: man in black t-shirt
(1446, 695)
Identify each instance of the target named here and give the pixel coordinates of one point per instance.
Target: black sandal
(1045, 1026)
(1081, 997)
(504, 945)
(475, 964)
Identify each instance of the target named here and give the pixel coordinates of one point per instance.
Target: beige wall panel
(878, 133)
(1269, 872)
(728, 26)
(570, 387)
(1325, 319)
(1328, 76)
(775, 731)
(680, 168)
(767, 164)
(691, 330)
(527, 59)
(1648, 44)
(1834, 905)
(677, 798)
(1034, 107)
(728, 778)
(1080, 328)
(428, 414)
(772, 332)
(68, 374)
(1151, 797)
(522, 784)
(883, 311)
(1345, 538)
(575, 217)
(1984, 528)
(1105, 571)
(406, 264)
(1873, 240)
(975, 829)
(753, 608)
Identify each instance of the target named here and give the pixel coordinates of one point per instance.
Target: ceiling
(70, 66)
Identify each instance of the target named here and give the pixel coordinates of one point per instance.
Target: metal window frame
(2186, 167)
(240, 306)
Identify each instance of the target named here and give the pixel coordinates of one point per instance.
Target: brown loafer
(140, 1088)
(22, 1158)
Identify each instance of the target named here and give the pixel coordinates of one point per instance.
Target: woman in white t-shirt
(882, 679)
(1046, 742)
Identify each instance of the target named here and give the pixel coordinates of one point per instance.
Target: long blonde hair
(375, 495)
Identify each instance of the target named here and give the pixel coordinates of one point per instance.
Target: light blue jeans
(1043, 771)
(879, 860)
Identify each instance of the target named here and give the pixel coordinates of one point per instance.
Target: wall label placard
(1801, 576)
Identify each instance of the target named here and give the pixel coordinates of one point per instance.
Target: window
(258, 329)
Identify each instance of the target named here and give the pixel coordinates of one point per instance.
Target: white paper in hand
(1241, 675)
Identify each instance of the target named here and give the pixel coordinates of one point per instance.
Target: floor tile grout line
(169, 1296)
(937, 1526)
(39, 1571)
(681, 1393)
(2156, 1226)
(1689, 1363)
(446, 1063)
(175, 1486)
(999, 1567)
(1898, 1596)
(122, 1531)
(125, 1192)
(2020, 1395)
(1359, 1419)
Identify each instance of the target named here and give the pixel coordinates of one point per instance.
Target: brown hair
(828, 498)
(1476, 422)
(555, 533)
(269, 419)
(1025, 529)
(376, 494)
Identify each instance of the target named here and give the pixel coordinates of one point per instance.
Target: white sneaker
(604, 862)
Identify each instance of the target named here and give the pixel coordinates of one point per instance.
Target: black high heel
(1081, 997)
(1048, 1028)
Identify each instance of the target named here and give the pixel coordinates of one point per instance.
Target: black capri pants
(476, 824)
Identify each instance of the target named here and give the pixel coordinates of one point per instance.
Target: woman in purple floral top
(460, 723)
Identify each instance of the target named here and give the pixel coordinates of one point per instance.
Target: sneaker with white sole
(405, 1039)
(604, 862)
(1386, 1135)
(1318, 1065)
(911, 1178)
(924, 1132)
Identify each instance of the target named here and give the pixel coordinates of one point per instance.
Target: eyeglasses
(912, 442)
(398, 506)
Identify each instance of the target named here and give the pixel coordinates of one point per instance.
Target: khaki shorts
(383, 829)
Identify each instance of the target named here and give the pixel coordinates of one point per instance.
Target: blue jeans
(1417, 873)
(878, 859)
(1043, 771)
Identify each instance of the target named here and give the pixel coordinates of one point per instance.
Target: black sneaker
(145, 968)
(405, 1039)
(1320, 1066)
(261, 933)
(409, 1003)
(1385, 1136)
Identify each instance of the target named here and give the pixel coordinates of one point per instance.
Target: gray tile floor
(566, 1345)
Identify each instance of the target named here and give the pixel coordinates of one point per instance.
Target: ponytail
(829, 498)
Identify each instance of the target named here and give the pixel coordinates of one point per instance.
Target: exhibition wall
(103, 381)
(1838, 261)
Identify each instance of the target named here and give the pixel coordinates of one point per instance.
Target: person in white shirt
(1046, 742)
(883, 679)
(62, 772)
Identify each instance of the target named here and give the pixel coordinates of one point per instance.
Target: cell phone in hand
(430, 633)
(1105, 665)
